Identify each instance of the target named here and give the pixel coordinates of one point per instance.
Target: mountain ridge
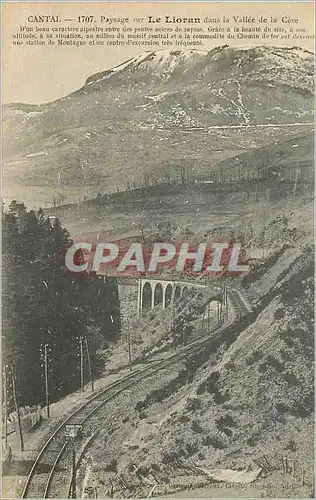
(133, 120)
(147, 54)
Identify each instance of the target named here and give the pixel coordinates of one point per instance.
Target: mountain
(148, 115)
(281, 160)
(225, 86)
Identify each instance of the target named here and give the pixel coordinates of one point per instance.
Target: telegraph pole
(74, 472)
(81, 364)
(173, 315)
(225, 300)
(173, 306)
(5, 403)
(203, 316)
(17, 409)
(208, 317)
(221, 304)
(46, 379)
(72, 431)
(89, 363)
(295, 182)
(129, 345)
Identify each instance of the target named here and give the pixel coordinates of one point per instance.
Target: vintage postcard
(158, 258)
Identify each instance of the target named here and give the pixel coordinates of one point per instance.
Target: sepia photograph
(157, 250)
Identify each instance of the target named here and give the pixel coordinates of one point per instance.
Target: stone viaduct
(154, 291)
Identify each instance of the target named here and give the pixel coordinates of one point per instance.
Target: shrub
(282, 408)
(193, 404)
(169, 457)
(227, 431)
(279, 313)
(291, 446)
(111, 466)
(201, 389)
(254, 357)
(212, 441)
(275, 363)
(291, 379)
(220, 398)
(226, 421)
(196, 427)
(251, 441)
(184, 419)
(192, 448)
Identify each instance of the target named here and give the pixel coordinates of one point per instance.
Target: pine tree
(42, 304)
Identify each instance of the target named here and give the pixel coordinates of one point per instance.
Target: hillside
(280, 160)
(247, 405)
(151, 116)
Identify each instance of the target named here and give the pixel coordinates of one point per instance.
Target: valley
(195, 146)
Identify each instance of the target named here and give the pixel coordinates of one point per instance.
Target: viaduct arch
(152, 292)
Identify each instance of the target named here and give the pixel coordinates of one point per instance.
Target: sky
(40, 74)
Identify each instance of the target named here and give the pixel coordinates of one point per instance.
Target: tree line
(42, 304)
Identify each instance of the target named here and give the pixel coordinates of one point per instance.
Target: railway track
(50, 472)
